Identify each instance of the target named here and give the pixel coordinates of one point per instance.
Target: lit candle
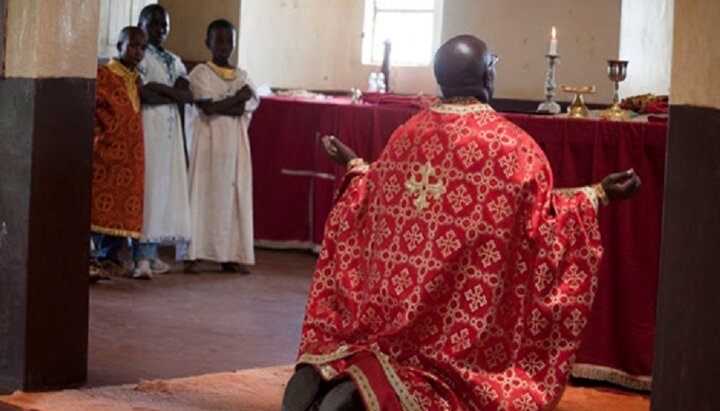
(553, 43)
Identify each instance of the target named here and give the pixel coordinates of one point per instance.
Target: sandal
(113, 269)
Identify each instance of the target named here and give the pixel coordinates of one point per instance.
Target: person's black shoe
(235, 268)
(191, 267)
(302, 389)
(343, 397)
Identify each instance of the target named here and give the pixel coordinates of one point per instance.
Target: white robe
(166, 216)
(221, 173)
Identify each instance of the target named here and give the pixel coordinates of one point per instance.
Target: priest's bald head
(464, 67)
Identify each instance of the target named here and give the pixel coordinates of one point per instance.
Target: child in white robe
(166, 217)
(220, 165)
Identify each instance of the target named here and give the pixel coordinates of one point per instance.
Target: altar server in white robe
(220, 165)
(166, 216)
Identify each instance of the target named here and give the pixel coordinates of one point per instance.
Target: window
(413, 27)
(114, 15)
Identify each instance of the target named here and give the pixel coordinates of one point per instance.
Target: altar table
(294, 186)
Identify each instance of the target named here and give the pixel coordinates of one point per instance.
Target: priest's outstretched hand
(337, 151)
(622, 185)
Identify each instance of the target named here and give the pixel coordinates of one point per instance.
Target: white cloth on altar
(166, 215)
(221, 173)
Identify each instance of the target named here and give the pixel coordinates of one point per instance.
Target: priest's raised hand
(337, 151)
(622, 185)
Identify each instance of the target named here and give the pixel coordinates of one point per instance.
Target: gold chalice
(578, 108)
(617, 71)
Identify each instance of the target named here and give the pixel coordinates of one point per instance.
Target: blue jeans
(106, 246)
(144, 251)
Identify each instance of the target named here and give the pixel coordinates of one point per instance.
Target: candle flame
(554, 33)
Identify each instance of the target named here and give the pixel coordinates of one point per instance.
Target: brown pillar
(46, 124)
(687, 351)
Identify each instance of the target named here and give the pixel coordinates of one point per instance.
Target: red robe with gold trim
(452, 276)
(118, 154)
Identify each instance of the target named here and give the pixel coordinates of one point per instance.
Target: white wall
(646, 41)
(114, 15)
(519, 32)
(317, 44)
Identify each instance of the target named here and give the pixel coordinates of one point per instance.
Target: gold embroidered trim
(591, 195)
(589, 192)
(328, 372)
(362, 168)
(422, 188)
(130, 77)
(602, 195)
(342, 352)
(460, 105)
(355, 162)
(363, 385)
(612, 375)
(407, 400)
(114, 232)
(225, 73)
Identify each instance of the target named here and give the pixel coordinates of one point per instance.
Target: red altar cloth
(290, 206)
(293, 195)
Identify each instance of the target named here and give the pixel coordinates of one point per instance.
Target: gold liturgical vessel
(617, 71)
(577, 108)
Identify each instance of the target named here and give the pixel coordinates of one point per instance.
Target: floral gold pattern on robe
(118, 153)
(452, 276)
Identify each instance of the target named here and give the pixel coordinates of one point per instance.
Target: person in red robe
(452, 275)
(118, 150)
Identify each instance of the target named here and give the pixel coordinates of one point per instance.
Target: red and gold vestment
(118, 153)
(452, 276)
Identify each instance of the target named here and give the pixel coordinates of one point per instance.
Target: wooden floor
(180, 325)
(248, 390)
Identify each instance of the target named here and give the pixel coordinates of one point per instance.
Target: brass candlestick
(578, 108)
(549, 105)
(355, 95)
(617, 71)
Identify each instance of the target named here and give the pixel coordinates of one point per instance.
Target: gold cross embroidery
(423, 187)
